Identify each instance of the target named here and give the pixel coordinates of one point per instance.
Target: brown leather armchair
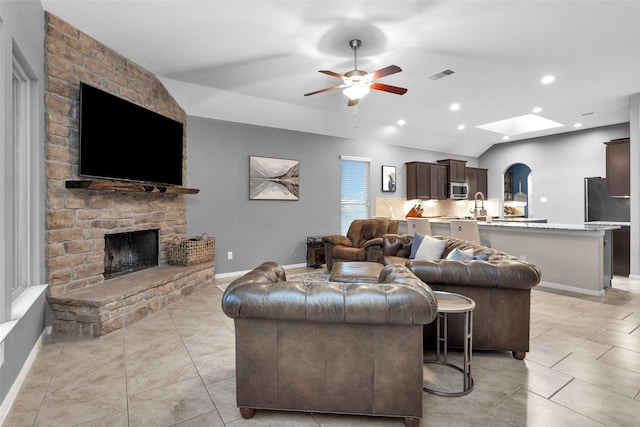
(363, 241)
(346, 348)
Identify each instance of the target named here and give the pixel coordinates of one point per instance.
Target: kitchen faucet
(483, 212)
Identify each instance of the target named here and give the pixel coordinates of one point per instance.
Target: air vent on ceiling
(590, 113)
(441, 74)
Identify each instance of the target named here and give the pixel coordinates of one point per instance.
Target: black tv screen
(124, 141)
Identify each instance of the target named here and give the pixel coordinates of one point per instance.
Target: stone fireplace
(126, 253)
(93, 288)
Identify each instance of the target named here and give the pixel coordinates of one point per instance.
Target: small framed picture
(389, 179)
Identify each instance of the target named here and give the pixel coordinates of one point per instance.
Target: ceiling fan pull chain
(355, 116)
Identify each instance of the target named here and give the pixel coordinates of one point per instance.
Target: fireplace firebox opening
(126, 253)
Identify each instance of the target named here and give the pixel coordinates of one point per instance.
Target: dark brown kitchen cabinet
(426, 181)
(621, 257)
(455, 169)
(618, 167)
(438, 181)
(476, 179)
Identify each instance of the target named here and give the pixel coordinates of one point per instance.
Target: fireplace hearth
(126, 253)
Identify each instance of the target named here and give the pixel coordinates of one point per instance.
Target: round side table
(450, 303)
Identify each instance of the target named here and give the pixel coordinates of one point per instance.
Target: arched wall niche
(517, 183)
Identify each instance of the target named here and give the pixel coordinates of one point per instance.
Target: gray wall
(22, 26)
(559, 164)
(259, 230)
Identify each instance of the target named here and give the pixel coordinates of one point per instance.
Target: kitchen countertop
(519, 223)
(551, 226)
(520, 219)
(538, 225)
(620, 223)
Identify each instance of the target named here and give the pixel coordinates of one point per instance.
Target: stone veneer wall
(77, 219)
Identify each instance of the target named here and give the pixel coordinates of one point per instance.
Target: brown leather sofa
(500, 286)
(347, 348)
(363, 241)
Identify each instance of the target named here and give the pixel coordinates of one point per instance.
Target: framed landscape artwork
(389, 179)
(273, 179)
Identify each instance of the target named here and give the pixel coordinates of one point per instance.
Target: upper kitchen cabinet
(426, 181)
(455, 169)
(476, 179)
(618, 167)
(438, 177)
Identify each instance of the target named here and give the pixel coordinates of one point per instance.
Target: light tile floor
(176, 368)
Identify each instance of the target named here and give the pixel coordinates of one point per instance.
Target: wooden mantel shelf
(131, 187)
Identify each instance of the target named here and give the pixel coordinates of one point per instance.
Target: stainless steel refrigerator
(599, 206)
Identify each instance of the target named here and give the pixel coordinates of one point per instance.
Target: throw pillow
(457, 254)
(431, 248)
(417, 239)
(480, 257)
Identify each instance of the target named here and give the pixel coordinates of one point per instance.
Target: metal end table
(449, 303)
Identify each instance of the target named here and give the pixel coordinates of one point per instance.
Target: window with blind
(354, 201)
(17, 187)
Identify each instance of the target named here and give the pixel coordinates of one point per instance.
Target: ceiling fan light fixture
(356, 91)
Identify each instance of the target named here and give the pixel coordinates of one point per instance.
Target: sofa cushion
(460, 255)
(430, 248)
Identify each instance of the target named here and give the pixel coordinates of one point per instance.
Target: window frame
(20, 183)
(22, 193)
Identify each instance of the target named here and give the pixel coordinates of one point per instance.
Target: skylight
(520, 124)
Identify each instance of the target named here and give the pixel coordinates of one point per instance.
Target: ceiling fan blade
(332, 74)
(352, 102)
(325, 90)
(387, 88)
(386, 71)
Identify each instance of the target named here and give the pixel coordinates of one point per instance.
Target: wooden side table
(315, 251)
(450, 303)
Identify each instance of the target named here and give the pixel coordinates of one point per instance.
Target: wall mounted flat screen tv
(124, 141)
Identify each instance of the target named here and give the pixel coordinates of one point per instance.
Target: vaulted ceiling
(252, 61)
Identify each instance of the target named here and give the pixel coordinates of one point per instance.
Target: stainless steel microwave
(458, 190)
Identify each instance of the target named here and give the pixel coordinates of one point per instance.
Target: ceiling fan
(357, 83)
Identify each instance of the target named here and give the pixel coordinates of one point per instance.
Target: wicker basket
(192, 251)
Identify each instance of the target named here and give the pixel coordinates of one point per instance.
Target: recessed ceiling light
(506, 137)
(520, 124)
(461, 127)
(577, 125)
(454, 107)
(401, 122)
(536, 110)
(547, 79)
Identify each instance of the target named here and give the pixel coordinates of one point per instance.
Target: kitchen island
(572, 257)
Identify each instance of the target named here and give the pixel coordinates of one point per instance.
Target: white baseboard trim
(574, 289)
(15, 388)
(240, 273)
(634, 277)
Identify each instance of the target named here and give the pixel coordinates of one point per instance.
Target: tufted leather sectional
(500, 286)
(332, 347)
